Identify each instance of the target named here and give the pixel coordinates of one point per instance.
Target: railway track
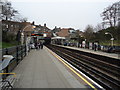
(104, 72)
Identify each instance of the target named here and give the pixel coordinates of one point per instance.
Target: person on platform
(41, 45)
(95, 47)
(36, 45)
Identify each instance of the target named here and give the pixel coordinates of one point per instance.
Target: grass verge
(6, 45)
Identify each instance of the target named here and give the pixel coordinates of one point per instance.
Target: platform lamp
(112, 39)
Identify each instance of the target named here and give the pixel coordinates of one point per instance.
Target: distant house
(44, 30)
(65, 32)
(14, 27)
(61, 35)
(55, 30)
(11, 26)
(21, 29)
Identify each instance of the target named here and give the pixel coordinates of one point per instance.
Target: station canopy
(57, 37)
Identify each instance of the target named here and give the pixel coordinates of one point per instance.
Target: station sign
(36, 34)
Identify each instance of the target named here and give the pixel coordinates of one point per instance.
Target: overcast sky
(76, 14)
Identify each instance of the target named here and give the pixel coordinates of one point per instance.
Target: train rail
(104, 72)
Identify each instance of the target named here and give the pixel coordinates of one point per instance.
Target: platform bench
(7, 84)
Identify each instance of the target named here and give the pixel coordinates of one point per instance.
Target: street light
(111, 37)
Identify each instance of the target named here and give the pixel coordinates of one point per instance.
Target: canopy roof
(57, 37)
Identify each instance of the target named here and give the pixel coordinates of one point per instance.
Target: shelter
(58, 40)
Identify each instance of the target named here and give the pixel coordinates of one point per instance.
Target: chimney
(45, 25)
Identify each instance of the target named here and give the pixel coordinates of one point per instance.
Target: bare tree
(98, 27)
(19, 18)
(110, 14)
(88, 33)
(8, 12)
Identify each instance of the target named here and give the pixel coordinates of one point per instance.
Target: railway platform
(42, 69)
(111, 55)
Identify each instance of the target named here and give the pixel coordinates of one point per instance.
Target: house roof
(63, 33)
(29, 28)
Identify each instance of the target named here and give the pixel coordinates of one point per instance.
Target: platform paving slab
(40, 69)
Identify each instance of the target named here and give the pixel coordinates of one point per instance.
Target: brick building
(14, 27)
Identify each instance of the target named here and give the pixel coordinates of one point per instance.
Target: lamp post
(111, 37)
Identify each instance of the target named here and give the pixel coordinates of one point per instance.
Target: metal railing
(18, 52)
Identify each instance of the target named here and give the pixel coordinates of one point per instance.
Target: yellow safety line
(8, 73)
(73, 70)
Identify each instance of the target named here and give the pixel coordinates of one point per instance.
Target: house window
(11, 25)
